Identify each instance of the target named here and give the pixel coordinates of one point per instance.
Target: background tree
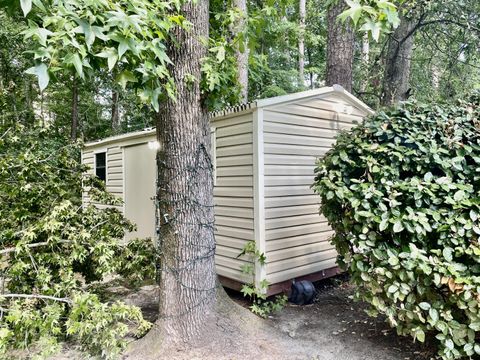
(340, 47)
(301, 42)
(240, 32)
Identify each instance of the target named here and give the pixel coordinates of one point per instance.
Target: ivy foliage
(261, 305)
(402, 193)
(52, 247)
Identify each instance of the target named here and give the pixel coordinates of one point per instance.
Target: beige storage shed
(264, 157)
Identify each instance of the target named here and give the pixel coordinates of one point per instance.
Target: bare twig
(33, 296)
(31, 246)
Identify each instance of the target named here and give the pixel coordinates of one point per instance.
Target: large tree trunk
(242, 56)
(185, 190)
(397, 66)
(340, 45)
(301, 44)
(74, 125)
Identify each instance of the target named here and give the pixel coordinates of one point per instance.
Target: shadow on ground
(336, 327)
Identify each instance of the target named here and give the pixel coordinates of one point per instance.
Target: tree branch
(449, 21)
(33, 296)
(31, 246)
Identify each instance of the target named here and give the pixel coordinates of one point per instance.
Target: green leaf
(221, 54)
(449, 344)
(77, 63)
(383, 225)
(476, 348)
(125, 77)
(428, 177)
(475, 326)
(373, 28)
(473, 215)
(424, 306)
(420, 335)
(393, 260)
(397, 226)
(41, 71)
(26, 6)
(42, 35)
(392, 289)
(433, 313)
(354, 12)
(447, 253)
(111, 55)
(459, 195)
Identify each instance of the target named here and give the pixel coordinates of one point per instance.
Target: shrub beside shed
(264, 157)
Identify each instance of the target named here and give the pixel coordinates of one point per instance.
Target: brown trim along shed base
(284, 286)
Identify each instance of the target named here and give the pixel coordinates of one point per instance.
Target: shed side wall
(233, 193)
(114, 170)
(296, 236)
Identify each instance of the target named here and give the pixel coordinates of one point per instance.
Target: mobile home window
(100, 166)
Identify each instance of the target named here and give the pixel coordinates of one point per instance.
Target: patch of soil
(334, 327)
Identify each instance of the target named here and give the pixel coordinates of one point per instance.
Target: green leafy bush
(402, 192)
(52, 246)
(261, 305)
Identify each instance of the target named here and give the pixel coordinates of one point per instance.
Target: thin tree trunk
(242, 56)
(74, 125)
(397, 68)
(436, 76)
(340, 45)
(185, 190)
(301, 44)
(115, 118)
(365, 61)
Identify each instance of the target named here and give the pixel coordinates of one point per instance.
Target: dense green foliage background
(402, 192)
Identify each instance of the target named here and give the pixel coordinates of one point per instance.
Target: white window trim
(99, 151)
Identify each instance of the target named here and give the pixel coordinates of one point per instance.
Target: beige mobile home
(264, 156)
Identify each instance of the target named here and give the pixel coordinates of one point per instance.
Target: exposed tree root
(232, 332)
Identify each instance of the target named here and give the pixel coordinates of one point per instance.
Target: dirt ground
(334, 327)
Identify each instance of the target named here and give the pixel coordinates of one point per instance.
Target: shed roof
(250, 107)
(277, 100)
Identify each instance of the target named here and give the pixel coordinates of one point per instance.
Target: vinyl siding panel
(233, 193)
(114, 183)
(295, 135)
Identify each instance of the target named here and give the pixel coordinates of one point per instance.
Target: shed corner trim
(259, 195)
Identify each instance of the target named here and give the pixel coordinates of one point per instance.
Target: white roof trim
(112, 139)
(295, 96)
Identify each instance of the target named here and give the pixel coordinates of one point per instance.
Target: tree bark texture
(115, 116)
(242, 56)
(301, 43)
(365, 61)
(185, 190)
(74, 125)
(340, 46)
(397, 65)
